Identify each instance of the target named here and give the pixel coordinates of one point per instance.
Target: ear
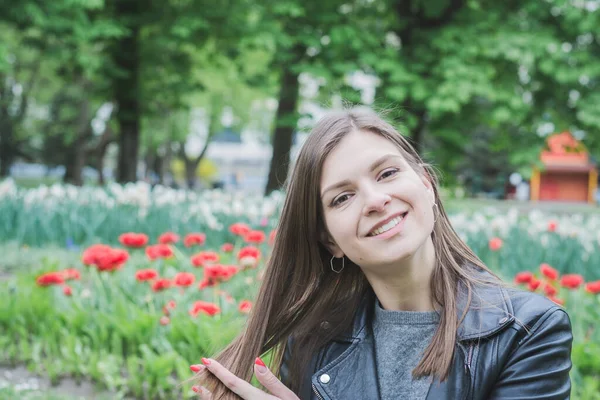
(429, 187)
(330, 244)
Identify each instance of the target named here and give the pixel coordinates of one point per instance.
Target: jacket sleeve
(539, 366)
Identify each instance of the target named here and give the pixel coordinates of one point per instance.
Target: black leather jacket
(511, 345)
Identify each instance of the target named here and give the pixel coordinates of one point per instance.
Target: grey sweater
(400, 339)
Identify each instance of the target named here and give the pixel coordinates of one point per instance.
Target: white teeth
(386, 227)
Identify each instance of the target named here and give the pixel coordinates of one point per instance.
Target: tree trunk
(191, 164)
(286, 119)
(7, 154)
(127, 93)
(190, 172)
(74, 163)
(100, 165)
(157, 167)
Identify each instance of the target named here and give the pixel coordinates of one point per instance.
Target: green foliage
(447, 68)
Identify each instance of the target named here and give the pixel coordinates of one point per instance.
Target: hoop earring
(343, 264)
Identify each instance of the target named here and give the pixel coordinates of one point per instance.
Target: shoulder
(538, 326)
(533, 310)
(532, 357)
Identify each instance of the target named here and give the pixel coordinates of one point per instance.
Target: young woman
(370, 294)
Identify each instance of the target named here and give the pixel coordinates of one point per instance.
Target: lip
(385, 221)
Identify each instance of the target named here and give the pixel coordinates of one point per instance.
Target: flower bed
(134, 308)
(72, 216)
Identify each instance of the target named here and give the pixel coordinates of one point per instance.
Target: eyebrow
(374, 166)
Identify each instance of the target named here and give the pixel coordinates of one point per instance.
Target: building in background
(568, 174)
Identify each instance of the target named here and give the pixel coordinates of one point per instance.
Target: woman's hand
(242, 388)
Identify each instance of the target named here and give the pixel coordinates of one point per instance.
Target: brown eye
(388, 172)
(339, 200)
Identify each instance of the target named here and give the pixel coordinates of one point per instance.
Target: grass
(12, 393)
(457, 205)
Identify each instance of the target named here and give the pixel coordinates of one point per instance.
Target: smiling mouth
(388, 226)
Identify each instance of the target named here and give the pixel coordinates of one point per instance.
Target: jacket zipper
(316, 393)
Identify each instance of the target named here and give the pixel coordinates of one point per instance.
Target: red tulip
(204, 257)
(204, 307)
(239, 229)
(50, 278)
(71, 273)
(245, 306)
(164, 320)
(161, 284)
(159, 251)
(227, 247)
(593, 287)
(67, 290)
(89, 256)
(184, 279)
(132, 239)
(523, 277)
(249, 251)
(219, 273)
(194, 239)
(112, 260)
(550, 290)
(534, 284)
(168, 238)
(248, 257)
(256, 237)
(571, 281)
(495, 244)
(548, 271)
(145, 275)
(105, 258)
(552, 225)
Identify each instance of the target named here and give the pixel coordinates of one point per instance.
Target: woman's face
(378, 211)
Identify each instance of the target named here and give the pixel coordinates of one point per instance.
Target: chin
(392, 259)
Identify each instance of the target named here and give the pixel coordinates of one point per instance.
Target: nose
(376, 201)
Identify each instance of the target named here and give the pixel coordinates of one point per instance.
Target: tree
(319, 39)
(456, 67)
(152, 60)
(20, 61)
(62, 39)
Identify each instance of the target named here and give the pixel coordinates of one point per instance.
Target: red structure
(567, 174)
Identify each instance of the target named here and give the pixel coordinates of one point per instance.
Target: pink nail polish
(196, 389)
(205, 361)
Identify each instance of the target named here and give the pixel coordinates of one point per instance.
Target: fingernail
(197, 367)
(260, 365)
(196, 389)
(205, 361)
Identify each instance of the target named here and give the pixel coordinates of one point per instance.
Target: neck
(406, 287)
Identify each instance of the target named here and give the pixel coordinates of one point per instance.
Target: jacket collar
(490, 312)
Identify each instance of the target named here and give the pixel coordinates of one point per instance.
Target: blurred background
(144, 145)
(198, 94)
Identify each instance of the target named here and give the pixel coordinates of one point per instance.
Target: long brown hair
(300, 292)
